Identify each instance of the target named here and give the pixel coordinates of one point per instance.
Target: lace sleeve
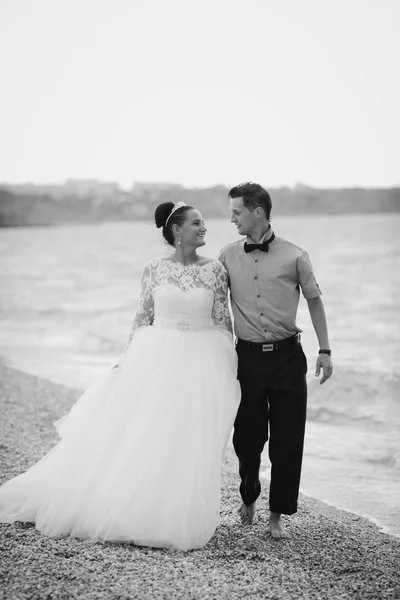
(220, 313)
(145, 309)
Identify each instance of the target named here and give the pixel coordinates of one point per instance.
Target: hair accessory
(176, 206)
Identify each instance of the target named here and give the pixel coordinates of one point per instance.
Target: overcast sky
(201, 92)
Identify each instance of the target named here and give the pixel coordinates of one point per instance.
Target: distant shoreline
(123, 220)
(92, 202)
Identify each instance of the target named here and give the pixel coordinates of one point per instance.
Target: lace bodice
(182, 296)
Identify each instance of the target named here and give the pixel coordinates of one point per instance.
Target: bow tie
(263, 247)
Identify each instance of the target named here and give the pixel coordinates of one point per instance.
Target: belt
(270, 347)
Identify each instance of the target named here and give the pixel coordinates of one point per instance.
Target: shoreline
(382, 528)
(332, 553)
(375, 520)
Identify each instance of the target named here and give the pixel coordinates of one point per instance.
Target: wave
(352, 397)
(387, 460)
(323, 414)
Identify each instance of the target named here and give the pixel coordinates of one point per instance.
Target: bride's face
(193, 230)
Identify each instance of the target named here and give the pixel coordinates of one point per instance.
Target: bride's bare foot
(247, 513)
(275, 527)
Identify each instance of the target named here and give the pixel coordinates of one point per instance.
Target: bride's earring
(179, 238)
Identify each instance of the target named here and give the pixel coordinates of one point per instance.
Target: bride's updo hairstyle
(163, 211)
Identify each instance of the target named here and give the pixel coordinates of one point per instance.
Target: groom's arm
(318, 318)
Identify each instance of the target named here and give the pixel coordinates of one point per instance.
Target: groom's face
(241, 216)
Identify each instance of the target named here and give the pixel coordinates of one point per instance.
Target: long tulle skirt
(139, 459)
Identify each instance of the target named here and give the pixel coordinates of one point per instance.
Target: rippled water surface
(68, 295)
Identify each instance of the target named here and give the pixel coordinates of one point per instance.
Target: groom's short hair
(253, 195)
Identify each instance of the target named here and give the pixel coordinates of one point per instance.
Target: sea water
(68, 296)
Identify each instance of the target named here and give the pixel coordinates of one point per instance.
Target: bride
(139, 460)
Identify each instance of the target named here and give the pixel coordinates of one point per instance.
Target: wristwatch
(328, 352)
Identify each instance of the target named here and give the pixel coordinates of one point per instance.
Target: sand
(331, 554)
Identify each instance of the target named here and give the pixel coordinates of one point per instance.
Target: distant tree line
(21, 206)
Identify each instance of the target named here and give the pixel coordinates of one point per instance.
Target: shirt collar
(267, 235)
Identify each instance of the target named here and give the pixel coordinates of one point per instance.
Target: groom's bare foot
(246, 513)
(275, 527)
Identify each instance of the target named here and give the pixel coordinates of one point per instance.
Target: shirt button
(261, 314)
(265, 330)
(256, 260)
(258, 296)
(255, 277)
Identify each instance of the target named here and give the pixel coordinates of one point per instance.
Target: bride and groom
(139, 460)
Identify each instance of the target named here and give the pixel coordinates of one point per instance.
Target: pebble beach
(331, 554)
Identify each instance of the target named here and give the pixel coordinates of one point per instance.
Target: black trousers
(274, 398)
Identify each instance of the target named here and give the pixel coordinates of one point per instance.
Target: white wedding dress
(139, 459)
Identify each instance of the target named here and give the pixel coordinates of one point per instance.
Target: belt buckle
(267, 347)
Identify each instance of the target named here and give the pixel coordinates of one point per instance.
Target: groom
(266, 274)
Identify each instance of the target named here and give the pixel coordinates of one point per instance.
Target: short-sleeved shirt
(265, 288)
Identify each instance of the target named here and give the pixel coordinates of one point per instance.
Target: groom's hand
(324, 362)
